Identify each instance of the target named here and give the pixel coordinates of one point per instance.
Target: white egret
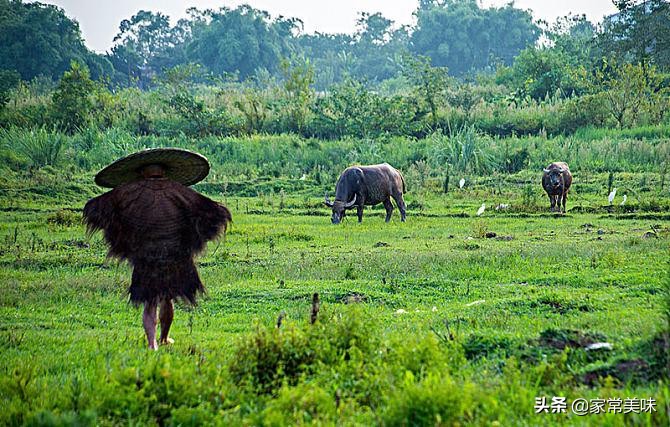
(610, 198)
(623, 202)
(480, 211)
(461, 183)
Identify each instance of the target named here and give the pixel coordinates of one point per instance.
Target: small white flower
(434, 309)
(400, 311)
(479, 301)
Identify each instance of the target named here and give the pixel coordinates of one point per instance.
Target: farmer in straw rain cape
(155, 222)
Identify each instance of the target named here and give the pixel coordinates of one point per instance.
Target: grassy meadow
(447, 319)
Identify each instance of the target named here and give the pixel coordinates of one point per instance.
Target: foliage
(239, 41)
(542, 73)
(72, 103)
(377, 48)
(39, 39)
(9, 79)
(464, 150)
(460, 35)
(146, 44)
(40, 146)
(639, 32)
(352, 110)
(298, 77)
(628, 89)
(429, 82)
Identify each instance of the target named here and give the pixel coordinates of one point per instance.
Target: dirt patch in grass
(351, 298)
(661, 216)
(624, 371)
(559, 339)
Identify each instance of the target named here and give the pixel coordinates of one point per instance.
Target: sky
(99, 19)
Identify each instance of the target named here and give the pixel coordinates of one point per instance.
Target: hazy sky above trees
(99, 19)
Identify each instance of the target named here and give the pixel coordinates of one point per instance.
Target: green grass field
(428, 322)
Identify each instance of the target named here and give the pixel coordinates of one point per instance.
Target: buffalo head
(555, 176)
(339, 208)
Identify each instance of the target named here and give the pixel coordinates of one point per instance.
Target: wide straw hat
(183, 166)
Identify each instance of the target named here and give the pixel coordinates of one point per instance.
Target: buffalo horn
(351, 203)
(328, 202)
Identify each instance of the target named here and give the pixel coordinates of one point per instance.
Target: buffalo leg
(401, 205)
(552, 200)
(389, 209)
(565, 199)
(359, 212)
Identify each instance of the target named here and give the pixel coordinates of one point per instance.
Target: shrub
(437, 400)
(269, 357)
(72, 103)
(40, 146)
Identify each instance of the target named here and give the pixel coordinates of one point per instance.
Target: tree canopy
(460, 35)
(39, 39)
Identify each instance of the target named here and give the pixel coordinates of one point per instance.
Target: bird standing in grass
(623, 202)
(481, 209)
(158, 224)
(461, 183)
(612, 195)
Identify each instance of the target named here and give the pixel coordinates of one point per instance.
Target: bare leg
(401, 206)
(389, 209)
(166, 316)
(149, 321)
(359, 211)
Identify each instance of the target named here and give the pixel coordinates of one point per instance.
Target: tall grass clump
(464, 149)
(40, 146)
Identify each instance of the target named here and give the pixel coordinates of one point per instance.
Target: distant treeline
(236, 72)
(40, 40)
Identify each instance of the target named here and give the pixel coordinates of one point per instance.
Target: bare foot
(167, 341)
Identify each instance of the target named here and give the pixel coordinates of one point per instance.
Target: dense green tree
(331, 55)
(557, 69)
(39, 39)
(430, 82)
(628, 89)
(574, 36)
(378, 47)
(72, 100)
(640, 32)
(352, 109)
(9, 79)
(460, 35)
(146, 45)
(541, 72)
(241, 41)
(298, 76)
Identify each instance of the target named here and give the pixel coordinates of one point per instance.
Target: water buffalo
(556, 181)
(368, 185)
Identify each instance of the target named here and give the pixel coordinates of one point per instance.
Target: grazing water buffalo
(368, 185)
(556, 182)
